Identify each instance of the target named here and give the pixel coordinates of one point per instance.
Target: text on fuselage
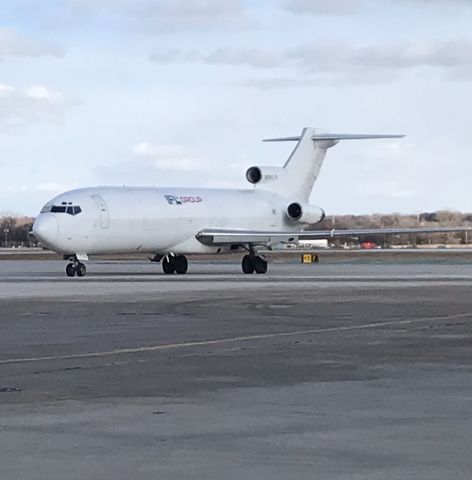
(174, 200)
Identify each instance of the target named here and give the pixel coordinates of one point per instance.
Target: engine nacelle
(305, 213)
(264, 175)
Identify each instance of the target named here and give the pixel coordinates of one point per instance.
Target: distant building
(428, 217)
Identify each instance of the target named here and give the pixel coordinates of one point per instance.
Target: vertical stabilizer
(304, 163)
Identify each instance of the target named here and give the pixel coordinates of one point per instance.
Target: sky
(181, 93)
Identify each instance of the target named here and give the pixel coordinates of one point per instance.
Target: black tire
(81, 270)
(168, 266)
(260, 265)
(181, 264)
(70, 270)
(247, 264)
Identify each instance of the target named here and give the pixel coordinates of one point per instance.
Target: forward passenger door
(103, 209)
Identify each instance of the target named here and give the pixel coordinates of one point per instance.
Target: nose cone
(46, 229)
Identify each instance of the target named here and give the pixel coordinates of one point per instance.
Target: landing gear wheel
(260, 265)
(70, 270)
(181, 264)
(247, 264)
(168, 265)
(80, 270)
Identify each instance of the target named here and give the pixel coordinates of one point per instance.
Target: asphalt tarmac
(345, 371)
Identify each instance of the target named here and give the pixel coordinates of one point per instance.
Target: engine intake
(254, 175)
(267, 176)
(305, 213)
(294, 211)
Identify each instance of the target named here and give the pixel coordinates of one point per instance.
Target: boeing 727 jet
(170, 223)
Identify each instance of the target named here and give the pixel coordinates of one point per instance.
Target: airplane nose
(46, 228)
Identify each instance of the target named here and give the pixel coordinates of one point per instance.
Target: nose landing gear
(175, 264)
(75, 268)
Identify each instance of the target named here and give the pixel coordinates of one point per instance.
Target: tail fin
(304, 163)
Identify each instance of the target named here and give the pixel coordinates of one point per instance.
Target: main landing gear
(175, 264)
(254, 263)
(75, 268)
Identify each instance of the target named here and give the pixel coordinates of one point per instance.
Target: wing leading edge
(221, 237)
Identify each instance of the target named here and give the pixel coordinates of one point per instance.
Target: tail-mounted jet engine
(305, 213)
(264, 175)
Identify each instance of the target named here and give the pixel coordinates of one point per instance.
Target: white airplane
(170, 223)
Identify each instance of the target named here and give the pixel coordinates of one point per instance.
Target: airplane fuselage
(153, 220)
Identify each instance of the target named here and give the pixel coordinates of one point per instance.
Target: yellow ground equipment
(310, 258)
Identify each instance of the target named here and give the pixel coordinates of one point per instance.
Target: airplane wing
(221, 237)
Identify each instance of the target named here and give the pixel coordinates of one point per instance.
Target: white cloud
(176, 157)
(339, 57)
(13, 44)
(324, 7)
(341, 60)
(349, 7)
(22, 106)
(388, 189)
(52, 187)
(40, 92)
(251, 57)
(171, 165)
(157, 16)
(353, 78)
(441, 3)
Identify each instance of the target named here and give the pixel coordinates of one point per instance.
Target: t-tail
(297, 177)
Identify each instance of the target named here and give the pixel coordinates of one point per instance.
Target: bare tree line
(442, 218)
(15, 232)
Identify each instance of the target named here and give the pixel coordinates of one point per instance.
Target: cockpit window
(58, 209)
(63, 208)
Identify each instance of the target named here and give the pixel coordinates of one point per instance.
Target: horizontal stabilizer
(350, 136)
(283, 139)
(334, 136)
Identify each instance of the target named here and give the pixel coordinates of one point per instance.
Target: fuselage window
(77, 210)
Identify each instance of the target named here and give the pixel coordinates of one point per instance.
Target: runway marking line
(262, 336)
